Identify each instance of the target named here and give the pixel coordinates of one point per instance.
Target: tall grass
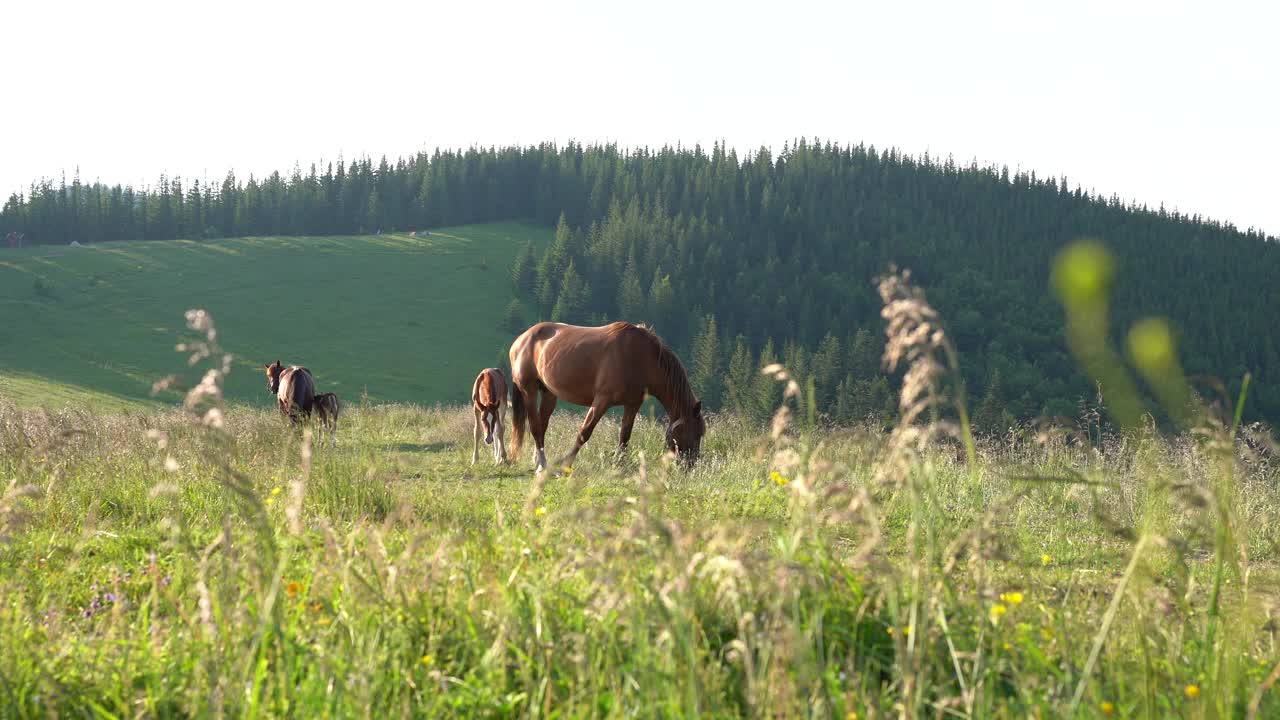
(210, 562)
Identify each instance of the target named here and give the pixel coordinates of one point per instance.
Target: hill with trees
(741, 261)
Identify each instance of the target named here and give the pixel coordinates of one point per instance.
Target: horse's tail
(518, 413)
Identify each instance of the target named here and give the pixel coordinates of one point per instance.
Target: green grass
(417, 584)
(405, 319)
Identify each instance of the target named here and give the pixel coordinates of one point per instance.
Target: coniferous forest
(743, 261)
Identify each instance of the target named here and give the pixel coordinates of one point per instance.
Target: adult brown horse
(488, 398)
(294, 388)
(600, 367)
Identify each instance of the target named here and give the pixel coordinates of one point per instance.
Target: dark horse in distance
(600, 367)
(294, 388)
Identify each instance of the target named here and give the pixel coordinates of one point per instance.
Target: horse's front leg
(475, 437)
(499, 431)
(597, 411)
(628, 422)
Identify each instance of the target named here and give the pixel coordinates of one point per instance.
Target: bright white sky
(1154, 101)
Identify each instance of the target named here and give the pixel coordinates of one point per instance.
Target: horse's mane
(677, 378)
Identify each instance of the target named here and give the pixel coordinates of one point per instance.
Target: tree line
(741, 261)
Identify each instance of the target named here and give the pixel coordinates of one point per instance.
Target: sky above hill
(1153, 101)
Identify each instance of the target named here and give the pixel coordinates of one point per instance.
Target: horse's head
(273, 377)
(684, 436)
(487, 419)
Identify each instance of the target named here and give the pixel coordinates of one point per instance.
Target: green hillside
(403, 318)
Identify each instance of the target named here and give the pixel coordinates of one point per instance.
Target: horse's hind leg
(475, 437)
(546, 406)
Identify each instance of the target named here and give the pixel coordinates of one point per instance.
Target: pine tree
(513, 317)
(738, 384)
(864, 356)
(990, 415)
(662, 300)
(524, 271)
(552, 268)
(571, 307)
(765, 392)
(631, 299)
(826, 371)
(706, 363)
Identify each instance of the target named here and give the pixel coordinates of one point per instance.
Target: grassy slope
(408, 319)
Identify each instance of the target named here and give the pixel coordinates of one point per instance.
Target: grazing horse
(294, 388)
(328, 407)
(488, 397)
(600, 367)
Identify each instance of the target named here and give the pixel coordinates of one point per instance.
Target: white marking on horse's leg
(488, 437)
(539, 461)
(502, 434)
(475, 439)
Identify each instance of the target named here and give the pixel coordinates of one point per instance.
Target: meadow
(398, 318)
(209, 561)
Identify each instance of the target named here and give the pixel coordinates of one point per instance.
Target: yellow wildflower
(777, 478)
(568, 470)
(1107, 707)
(1012, 598)
(1192, 691)
(851, 715)
(1045, 559)
(292, 589)
(890, 630)
(998, 611)
(275, 491)
(428, 659)
(1007, 646)
(540, 511)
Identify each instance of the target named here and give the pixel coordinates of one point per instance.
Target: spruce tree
(742, 367)
(571, 307)
(661, 302)
(524, 271)
(706, 363)
(631, 298)
(990, 414)
(552, 268)
(765, 392)
(513, 317)
(826, 370)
